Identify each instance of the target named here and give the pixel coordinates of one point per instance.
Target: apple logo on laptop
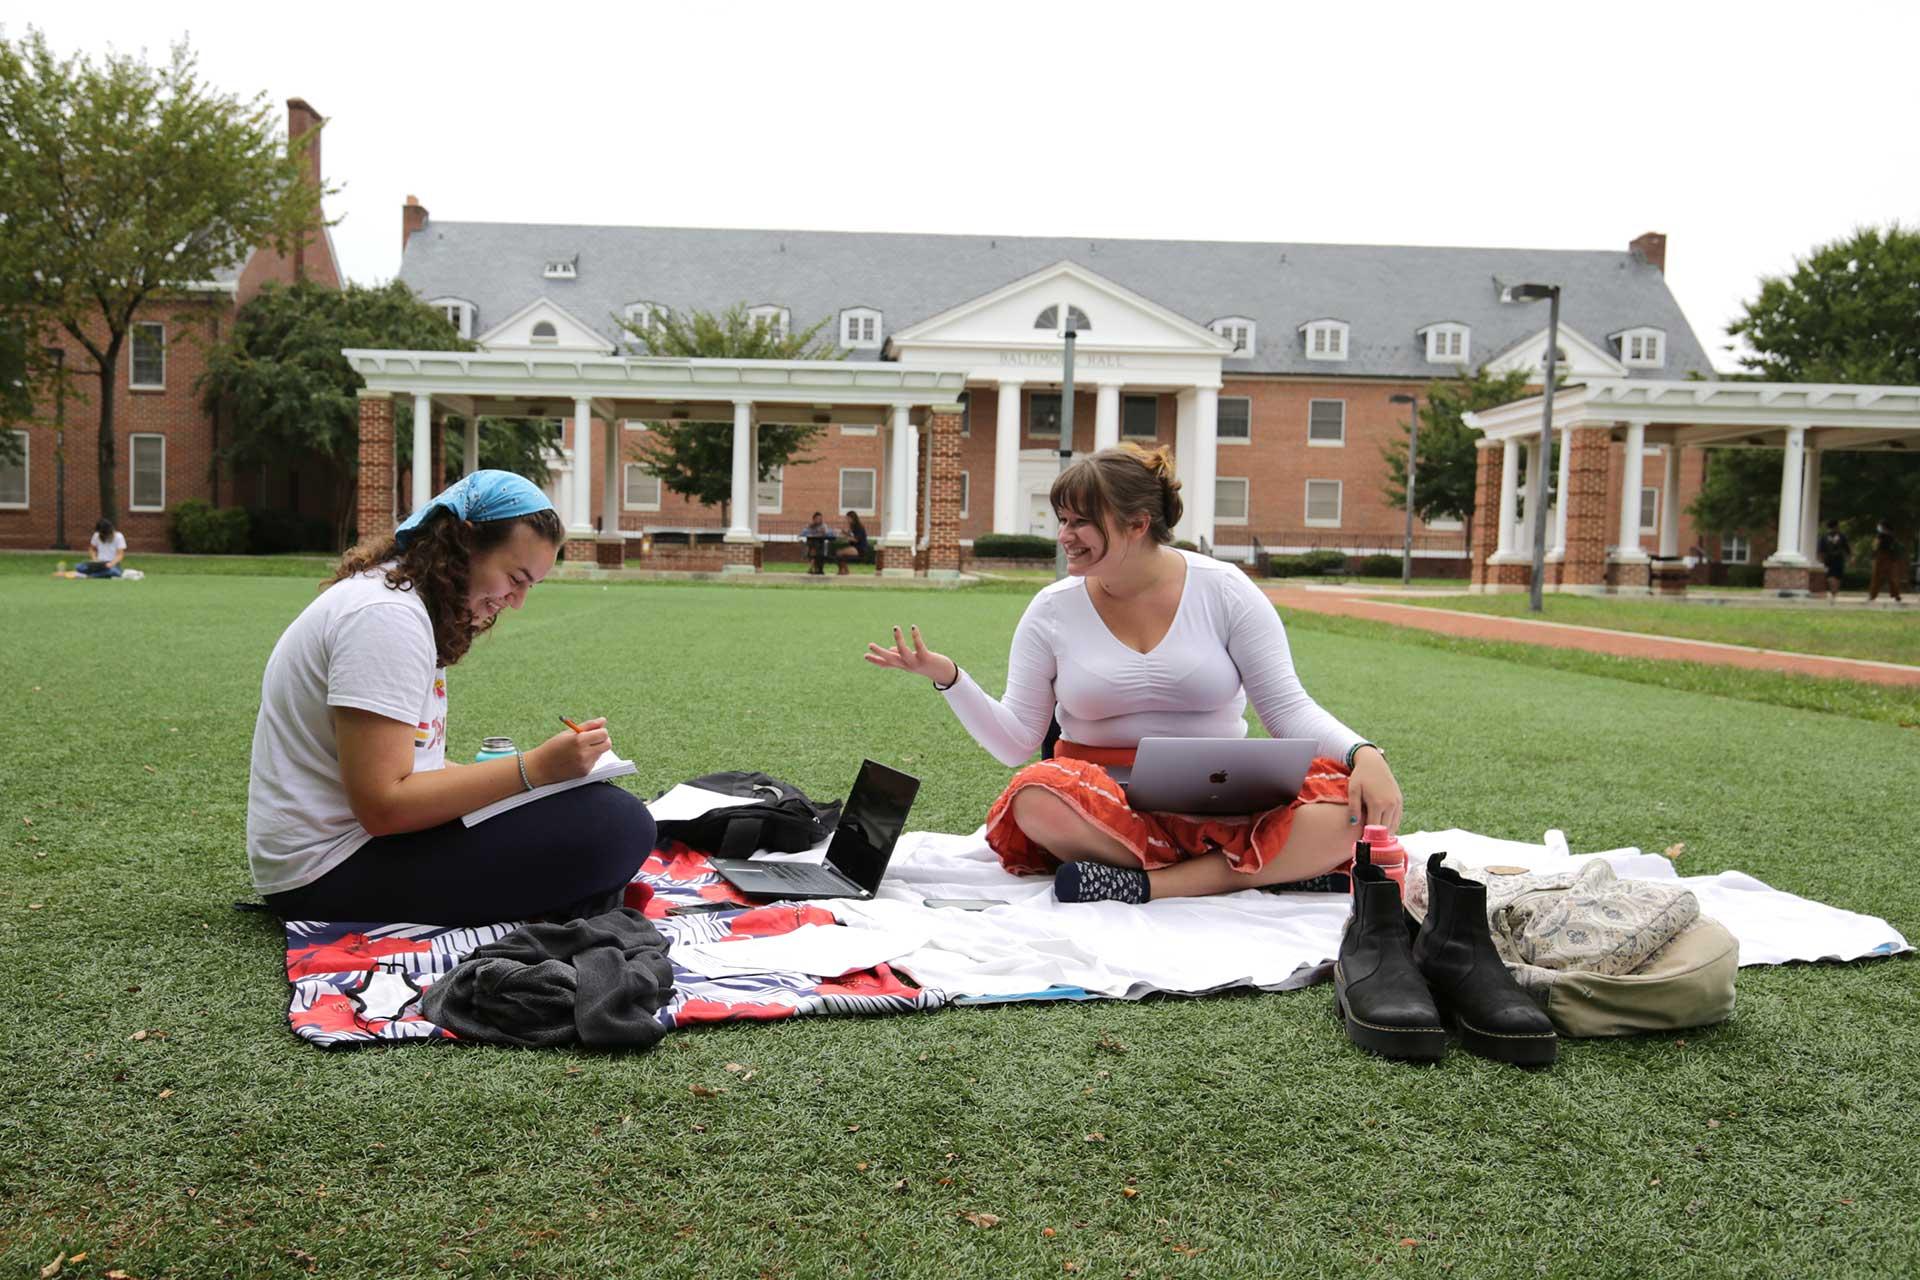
(1218, 777)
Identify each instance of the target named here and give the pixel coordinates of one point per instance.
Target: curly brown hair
(436, 564)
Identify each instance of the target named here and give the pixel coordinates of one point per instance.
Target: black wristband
(1353, 753)
(949, 684)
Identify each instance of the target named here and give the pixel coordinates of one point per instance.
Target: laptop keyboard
(790, 872)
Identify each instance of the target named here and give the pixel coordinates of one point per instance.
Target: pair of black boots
(1398, 992)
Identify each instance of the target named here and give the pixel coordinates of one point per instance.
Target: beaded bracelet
(521, 760)
(1354, 751)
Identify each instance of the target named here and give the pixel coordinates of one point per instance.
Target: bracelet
(942, 688)
(521, 760)
(1354, 751)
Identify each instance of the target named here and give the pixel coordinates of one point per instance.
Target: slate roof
(1384, 292)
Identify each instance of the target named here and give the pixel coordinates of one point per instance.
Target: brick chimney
(413, 217)
(303, 120)
(1651, 248)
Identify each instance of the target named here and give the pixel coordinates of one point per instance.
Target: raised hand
(915, 659)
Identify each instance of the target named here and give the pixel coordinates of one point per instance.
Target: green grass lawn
(1886, 636)
(1257, 1141)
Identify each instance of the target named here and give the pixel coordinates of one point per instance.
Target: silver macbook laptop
(1218, 776)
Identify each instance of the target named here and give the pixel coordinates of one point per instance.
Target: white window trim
(779, 483)
(1649, 508)
(1246, 502)
(464, 325)
(874, 483)
(642, 315)
(1313, 328)
(857, 430)
(1341, 443)
(1339, 504)
(626, 487)
(847, 321)
(132, 364)
(1645, 334)
(1445, 524)
(1237, 441)
(1746, 548)
(26, 470)
(562, 269)
(781, 318)
(133, 469)
(1245, 350)
(1127, 435)
(1437, 333)
(544, 339)
(966, 494)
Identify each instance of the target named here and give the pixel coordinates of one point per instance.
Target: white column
(1206, 440)
(753, 479)
(1670, 502)
(422, 446)
(580, 514)
(1509, 496)
(740, 505)
(1792, 471)
(899, 482)
(473, 446)
(612, 474)
(1523, 502)
(1632, 473)
(1810, 504)
(1558, 551)
(1006, 461)
(1106, 416)
(913, 484)
(1186, 420)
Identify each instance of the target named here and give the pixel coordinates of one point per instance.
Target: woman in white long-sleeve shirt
(1143, 640)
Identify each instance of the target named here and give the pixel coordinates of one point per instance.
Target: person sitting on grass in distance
(857, 547)
(353, 809)
(1143, 640)
(109, 547)
(818, 535)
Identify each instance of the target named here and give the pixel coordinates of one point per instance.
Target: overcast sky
(1748, 133)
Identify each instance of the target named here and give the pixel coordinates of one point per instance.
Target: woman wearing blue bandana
(353, 810)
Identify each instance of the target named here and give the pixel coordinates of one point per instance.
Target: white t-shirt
(105, 551)
(1226, 645)
(359, 644)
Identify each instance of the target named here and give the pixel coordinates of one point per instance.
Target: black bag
(782, 818)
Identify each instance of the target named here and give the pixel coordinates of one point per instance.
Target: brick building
(1269, 368)
(166, 440)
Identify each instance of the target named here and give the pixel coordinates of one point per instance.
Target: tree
(692, 458)
(1449, 467)
(123, 183)
(1848, 312)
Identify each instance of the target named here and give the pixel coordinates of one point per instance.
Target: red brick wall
(1486, 510)
(377, 468)
(1588, 497)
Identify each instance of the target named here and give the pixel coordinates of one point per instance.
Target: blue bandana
(484, 495)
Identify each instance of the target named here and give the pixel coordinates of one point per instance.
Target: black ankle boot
(1470, 983)
(1377, 990)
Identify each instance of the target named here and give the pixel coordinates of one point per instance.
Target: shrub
(272, 531)
(1013, 546)
(200, 528)
(1746, 575)
(1326, 560)
(1287, 567)
(1380, 566)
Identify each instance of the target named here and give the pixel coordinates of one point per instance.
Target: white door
(1040, 518)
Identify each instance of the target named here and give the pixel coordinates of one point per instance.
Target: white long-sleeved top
(1226, 645)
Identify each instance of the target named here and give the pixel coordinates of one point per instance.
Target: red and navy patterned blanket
(356, 983)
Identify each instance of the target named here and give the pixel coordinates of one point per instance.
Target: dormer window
(1239, 331)
(641, 318)
(544, 333)
(1446, 343)
(776, 319)
(459, 314)
(562, 268)
(860, 327)
(1326, 339)
(1643, 348)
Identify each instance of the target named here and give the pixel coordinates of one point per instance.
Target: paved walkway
(1559, 635)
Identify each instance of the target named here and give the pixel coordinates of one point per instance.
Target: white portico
(1011, 341)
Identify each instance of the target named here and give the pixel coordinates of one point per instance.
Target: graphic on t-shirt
(440, 688)
(428, 734)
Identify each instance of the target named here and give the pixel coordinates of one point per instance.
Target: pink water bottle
(1386, 852)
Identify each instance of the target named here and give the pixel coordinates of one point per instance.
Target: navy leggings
(569, 854)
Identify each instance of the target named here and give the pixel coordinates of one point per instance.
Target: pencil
(571, 725)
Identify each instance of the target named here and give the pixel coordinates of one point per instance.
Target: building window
(857, 490)
(1140, 417)
(148, 479)
(1323, 504)
(768, 494)
(1326, 339)
(641, 318)
(147, 357)
(1326, 422)
(966, 494)
(1229, 500)
(459, 314)
(1643, 348)
(1077, 320)
(1444, 524)
(14, 475)
(860, 327)
(776, 319)
(1734, 549)
(643, 489)
(1235, 420)
(966, 413)
(1048, 319)
(562, 268)
(1043, 414)
(1447, 344)
(544, 333)
(1239, 331)
(1649, 508)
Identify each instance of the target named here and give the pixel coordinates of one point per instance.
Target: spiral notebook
(606, 768)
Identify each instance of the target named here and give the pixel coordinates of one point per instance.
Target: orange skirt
(1077, 776)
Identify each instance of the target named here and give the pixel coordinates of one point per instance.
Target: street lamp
(1413, 461)
(1537, 480)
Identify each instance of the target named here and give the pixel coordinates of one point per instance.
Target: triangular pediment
(1581, 357)
(1034, 310)
(523, 331)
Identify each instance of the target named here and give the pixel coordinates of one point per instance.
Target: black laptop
(862, 845)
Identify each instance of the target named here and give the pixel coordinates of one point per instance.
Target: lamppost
(1066, 442)
(1413, 462)
(59, 357)
(1537, 479)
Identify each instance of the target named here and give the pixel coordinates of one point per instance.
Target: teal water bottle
(494, 749)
